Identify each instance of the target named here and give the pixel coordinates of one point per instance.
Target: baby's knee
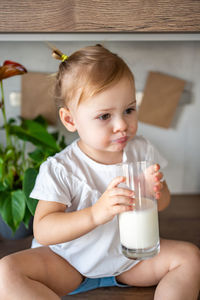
(192, 253)
(190, 256)
(194, 256)
(8, 273)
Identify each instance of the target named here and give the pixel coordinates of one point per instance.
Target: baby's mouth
(121, 140)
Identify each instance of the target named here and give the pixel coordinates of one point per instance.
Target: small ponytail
(57, 54)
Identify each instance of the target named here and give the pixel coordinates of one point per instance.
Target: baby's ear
(67, 119)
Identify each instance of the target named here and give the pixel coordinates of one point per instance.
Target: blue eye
(104, 117)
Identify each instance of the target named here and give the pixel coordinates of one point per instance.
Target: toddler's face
(107, 121)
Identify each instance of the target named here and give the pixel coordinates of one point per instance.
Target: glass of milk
(139, 231)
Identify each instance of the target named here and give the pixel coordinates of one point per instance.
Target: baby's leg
(36, 274)
(176, 270)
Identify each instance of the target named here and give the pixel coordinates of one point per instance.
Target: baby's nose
(120, 125)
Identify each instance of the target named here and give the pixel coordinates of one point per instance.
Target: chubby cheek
(100, 138)
(133, 129)
(94, 137)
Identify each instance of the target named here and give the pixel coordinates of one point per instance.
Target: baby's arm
(53, 225)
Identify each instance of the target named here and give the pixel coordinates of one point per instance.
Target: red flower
(11, 68)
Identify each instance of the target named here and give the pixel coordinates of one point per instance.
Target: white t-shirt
(72, 178)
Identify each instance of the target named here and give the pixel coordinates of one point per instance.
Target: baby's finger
(156, 167)
(157, 195)
(152, 169)
(121, 200)
(158, 186)
(158, 176)
(115, 182)
(121, 192)
(122, 208)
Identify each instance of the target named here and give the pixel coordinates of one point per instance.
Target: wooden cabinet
(100, 16)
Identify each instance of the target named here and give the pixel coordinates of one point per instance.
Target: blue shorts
(94, 283)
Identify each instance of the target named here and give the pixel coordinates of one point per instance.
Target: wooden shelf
(69, 16)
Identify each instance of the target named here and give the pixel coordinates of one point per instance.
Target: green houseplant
(18, 169)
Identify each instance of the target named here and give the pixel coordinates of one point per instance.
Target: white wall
(179, 144)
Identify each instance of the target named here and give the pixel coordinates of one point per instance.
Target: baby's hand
(158, 184)
(113, 201)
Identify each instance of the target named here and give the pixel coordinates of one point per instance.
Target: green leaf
(55, 135)
(6, 208)
(11, 121)
(39, 131)
(35, 133)
(28, 184)
(9, 154)
(62, 143)
(41, 120)
(3, 186)
(27, 217)
(1, 167)
(37, 155)
(8, 177)
(18, 206)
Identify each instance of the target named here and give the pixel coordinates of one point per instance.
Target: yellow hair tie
(64, 57)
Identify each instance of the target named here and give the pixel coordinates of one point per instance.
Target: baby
(77, 246)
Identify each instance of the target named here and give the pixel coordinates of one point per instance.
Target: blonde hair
(87, 72)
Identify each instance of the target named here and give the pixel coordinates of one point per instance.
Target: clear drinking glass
(139, 229)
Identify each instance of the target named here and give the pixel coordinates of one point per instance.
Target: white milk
(139, 228)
